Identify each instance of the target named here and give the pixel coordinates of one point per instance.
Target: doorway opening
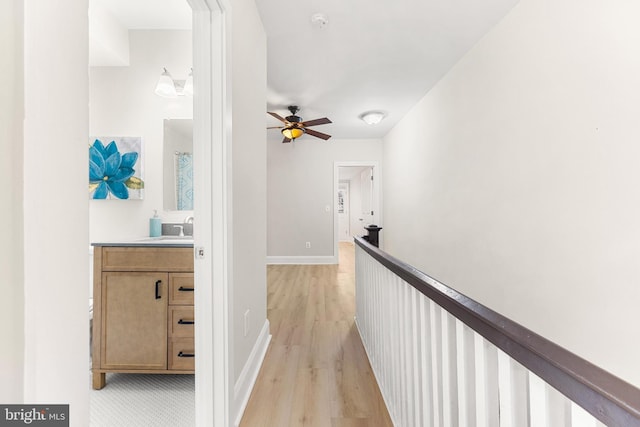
(356, 200)
(211, 109)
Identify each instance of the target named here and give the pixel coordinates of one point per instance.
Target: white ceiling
(372, 54)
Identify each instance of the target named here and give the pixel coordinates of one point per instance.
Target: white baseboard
(247, 379)
(301, 260)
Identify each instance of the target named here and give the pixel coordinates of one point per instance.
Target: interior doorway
(211, 39)
(356, 201)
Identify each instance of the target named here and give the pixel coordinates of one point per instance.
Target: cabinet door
(134, 320)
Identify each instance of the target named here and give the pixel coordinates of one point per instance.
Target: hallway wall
(249, 180)
(300, 186)
(515, 179)
(45, 291)
(12, 194)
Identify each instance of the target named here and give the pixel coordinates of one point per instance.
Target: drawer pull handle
(181, 354)
(185, 322)
(183, 289)
(158, 283)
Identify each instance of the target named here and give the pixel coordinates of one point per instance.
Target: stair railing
(443, 359)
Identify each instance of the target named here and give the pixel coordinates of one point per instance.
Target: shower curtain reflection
(184, 180)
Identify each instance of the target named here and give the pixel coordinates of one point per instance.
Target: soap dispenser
(155, 225)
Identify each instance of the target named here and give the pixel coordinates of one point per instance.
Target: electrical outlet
(307, 245)
(246, 323)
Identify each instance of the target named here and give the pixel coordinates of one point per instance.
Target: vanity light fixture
(372, 117)
(188, 84)
(167, 87)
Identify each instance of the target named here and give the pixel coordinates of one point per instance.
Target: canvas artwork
(115, 168)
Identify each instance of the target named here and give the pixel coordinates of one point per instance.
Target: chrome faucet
(181, 228)
(188, 220)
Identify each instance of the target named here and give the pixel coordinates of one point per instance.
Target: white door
(366, 188)
(344, 232)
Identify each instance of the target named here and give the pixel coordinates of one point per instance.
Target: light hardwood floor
(316, 372)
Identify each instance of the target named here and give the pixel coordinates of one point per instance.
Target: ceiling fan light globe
(292, 133)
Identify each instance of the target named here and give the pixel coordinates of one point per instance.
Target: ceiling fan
(294, 127)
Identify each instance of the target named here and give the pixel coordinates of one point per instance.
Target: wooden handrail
(605, 396)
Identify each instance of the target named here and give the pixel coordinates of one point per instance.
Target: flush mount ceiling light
(167, 87)
(372, 117)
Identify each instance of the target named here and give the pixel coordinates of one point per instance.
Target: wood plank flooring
(316, 372)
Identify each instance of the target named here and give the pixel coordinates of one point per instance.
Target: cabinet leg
(99, 380)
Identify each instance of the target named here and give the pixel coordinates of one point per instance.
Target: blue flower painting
(113, 172)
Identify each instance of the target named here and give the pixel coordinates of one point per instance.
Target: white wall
(249, 178)
(55, 205)
(300, 186)
(515, 180)
(11, 214)
(123, 103)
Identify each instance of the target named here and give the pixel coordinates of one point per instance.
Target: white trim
(301, 260)
(377, 195)
(212, 183)
(247, 379)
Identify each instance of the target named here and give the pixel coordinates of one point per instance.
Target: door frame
(377, 196)
(212, 210)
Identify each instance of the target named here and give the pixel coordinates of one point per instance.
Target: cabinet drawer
(181, 288)
(182, 354)
(146, 259)
(181, 321)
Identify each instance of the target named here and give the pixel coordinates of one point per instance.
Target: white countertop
(170, 241)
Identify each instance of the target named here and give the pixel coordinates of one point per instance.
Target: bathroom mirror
(178, 165)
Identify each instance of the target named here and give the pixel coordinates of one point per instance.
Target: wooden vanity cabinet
(143, 311)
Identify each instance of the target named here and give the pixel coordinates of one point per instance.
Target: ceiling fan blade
(317, 134)
(322, 121)
(286, 140)
(277, 116)
(275, 127)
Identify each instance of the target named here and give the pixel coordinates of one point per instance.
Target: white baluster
(416, 378)
(449, 366)
(537, 401)
(491, 388)
(558, 408)
(436, 363)
(466, 375)
(581, 418)
(514, 392)
(427, 373)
